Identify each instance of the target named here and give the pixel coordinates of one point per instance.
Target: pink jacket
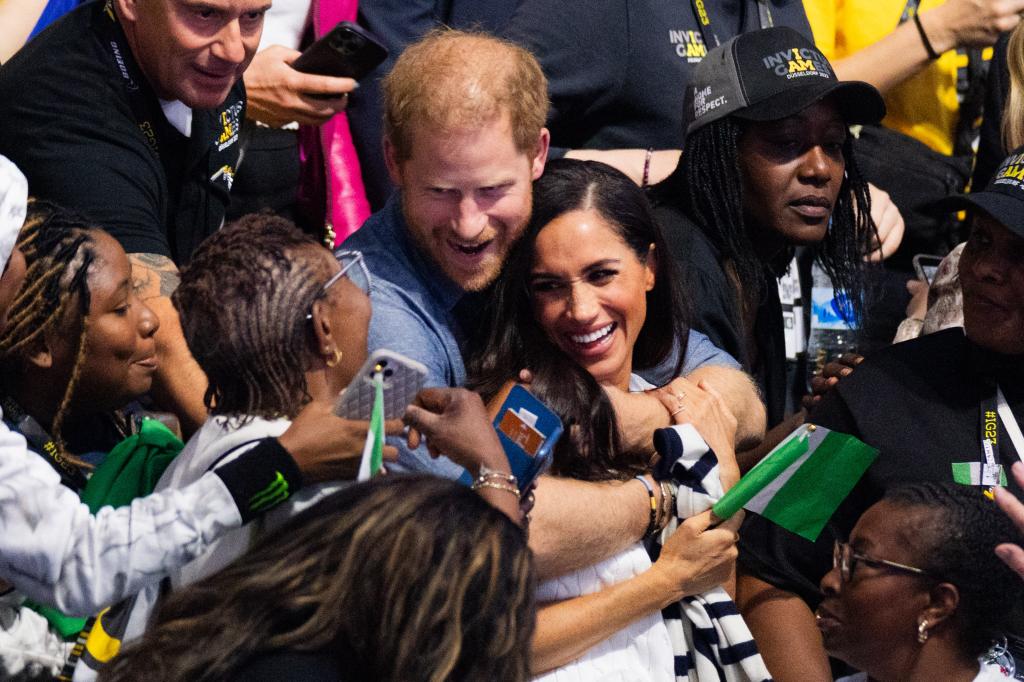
(329, 162)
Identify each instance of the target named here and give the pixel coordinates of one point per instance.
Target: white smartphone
(403, 379)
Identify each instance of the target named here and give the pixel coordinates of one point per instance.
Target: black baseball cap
(1002, 198)
(770, 74)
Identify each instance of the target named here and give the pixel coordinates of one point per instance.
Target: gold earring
(335, 358)
(922, 631)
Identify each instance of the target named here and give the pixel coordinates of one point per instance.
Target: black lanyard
(706, 23)
(991, 439)
(43, 444)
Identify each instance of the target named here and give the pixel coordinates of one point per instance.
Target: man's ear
(541, 157)
(128, 10)
(391, 161)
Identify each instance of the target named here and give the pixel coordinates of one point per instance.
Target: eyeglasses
(352, 266)
(845, 559)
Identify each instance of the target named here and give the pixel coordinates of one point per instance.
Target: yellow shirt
(925, 106)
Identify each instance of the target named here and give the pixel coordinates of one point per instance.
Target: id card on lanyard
(994, 411)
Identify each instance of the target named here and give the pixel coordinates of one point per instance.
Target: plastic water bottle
(833, 324)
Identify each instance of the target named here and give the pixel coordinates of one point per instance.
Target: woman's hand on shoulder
(702, 406)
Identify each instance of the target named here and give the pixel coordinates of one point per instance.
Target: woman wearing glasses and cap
(918, 592)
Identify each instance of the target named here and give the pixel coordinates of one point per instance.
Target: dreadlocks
(708, 185)
(58, 251)
(243, 301)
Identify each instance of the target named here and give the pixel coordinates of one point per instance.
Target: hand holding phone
(347, 51)
(403, 378)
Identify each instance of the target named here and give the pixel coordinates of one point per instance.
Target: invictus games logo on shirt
(1011, 172)
(689, 45)
(796, 63)
(230, 124)
(703, 102)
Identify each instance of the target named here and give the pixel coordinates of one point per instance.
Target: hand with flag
(801, 483)
(327, 447)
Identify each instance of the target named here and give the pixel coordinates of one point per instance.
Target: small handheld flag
(801, 483)
(373, 450)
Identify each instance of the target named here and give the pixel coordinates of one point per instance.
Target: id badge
(978, 473)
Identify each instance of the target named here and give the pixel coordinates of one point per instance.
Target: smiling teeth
(592, 336)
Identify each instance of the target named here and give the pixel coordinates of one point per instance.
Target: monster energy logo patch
(273, 494)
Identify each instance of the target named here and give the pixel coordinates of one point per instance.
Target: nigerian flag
(373, 450)
(800, 483)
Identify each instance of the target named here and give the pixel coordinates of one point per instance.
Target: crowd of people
(626, 209)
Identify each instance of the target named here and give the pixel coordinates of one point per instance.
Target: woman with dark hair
(766, 167)
(405, 578)
(583, 302)
(78, 347)
(918, 592)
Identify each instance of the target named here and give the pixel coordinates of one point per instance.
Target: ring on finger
(681, 408)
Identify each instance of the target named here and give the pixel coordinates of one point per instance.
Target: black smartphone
(347, 51)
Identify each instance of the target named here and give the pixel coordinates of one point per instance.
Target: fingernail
(845, 371)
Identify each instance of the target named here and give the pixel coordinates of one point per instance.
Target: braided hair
(58, 252)
(243, 300)
(956, 543)
(708, 186)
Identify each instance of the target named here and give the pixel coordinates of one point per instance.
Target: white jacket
(54, 551)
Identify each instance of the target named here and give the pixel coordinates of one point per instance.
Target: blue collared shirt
(414, 314)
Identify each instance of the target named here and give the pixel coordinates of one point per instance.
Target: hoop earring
(335, 358)
(922, 631)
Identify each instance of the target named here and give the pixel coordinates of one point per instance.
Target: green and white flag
(801, 483)
(373, 449)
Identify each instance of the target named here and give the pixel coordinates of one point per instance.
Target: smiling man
(129, 111)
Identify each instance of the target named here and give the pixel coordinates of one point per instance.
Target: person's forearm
(579, 523)
(567, 629)
(637, 415)
(179, 384)
(741, 397)
(746, 459)
(785, 631)
(18, 17)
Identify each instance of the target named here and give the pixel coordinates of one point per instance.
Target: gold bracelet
(488, 473)
(478, 484)
(668, 500)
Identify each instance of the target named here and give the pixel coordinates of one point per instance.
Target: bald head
(454, 80)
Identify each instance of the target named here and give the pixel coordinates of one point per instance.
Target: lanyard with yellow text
(996, 410)
(142, 106)
(705, 22)
(43, 444)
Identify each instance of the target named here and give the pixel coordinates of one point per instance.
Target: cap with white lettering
(769, 74)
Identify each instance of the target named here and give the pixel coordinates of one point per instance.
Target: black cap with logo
(770, 74)
(1002, 198)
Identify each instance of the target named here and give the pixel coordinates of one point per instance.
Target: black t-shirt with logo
(919, 402)
(81, 122)
(617, 69)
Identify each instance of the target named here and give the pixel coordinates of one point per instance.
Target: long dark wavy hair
(402, 579)
(513, 340)
(707, 185)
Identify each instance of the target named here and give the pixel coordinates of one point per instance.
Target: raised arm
(902, 53)
(180, 383)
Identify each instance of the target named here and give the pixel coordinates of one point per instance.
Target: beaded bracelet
(652, 523)
(487, 473)
(479, 483)
(647, 168)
